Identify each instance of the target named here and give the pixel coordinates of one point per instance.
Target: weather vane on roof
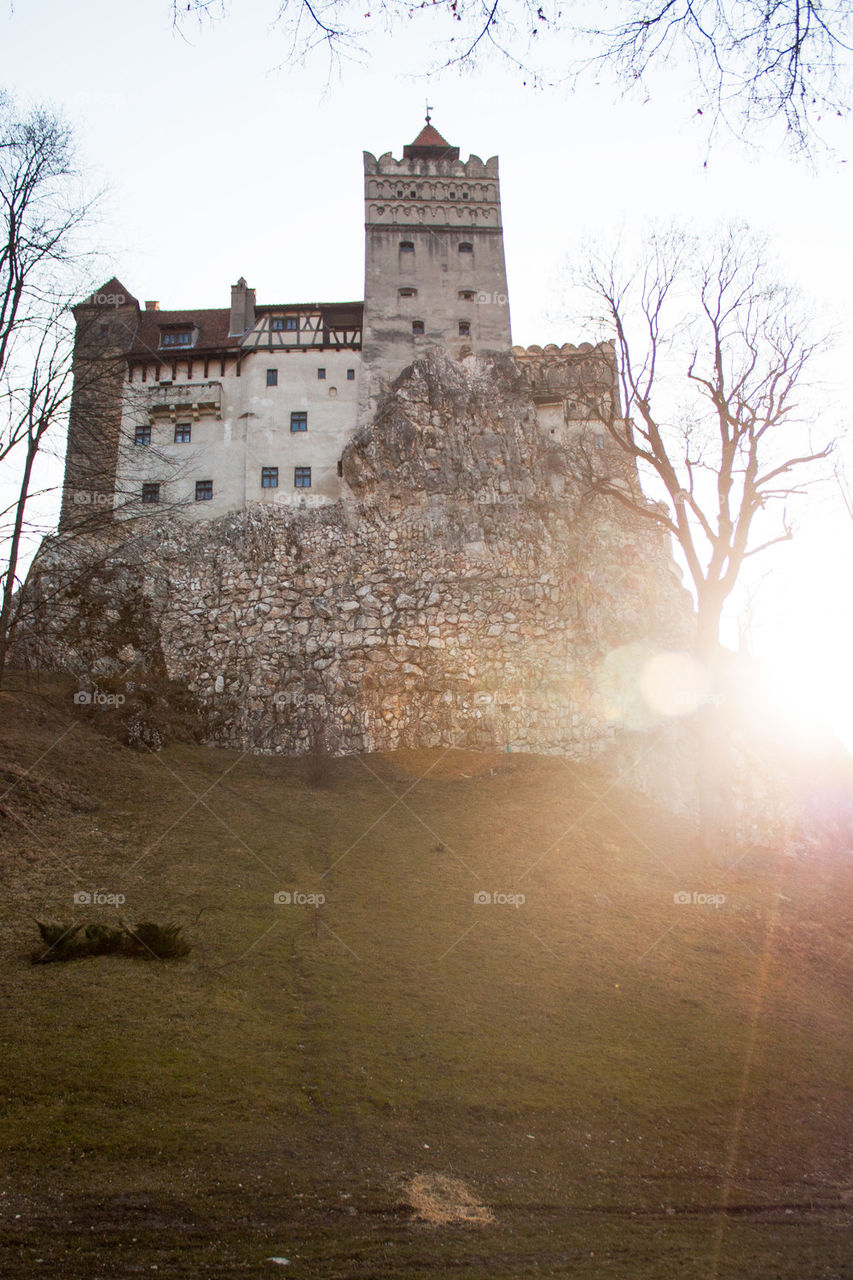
(428, 110)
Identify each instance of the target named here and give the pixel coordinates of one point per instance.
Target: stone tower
(434, 268)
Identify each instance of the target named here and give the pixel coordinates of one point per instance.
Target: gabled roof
(111, 294)
(429, 145)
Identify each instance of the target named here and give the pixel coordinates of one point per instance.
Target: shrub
(148, 941)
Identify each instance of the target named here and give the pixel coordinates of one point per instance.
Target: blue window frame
(302, 477)
(299, 420)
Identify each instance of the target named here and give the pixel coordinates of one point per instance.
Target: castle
(212, 410)
(385, 533)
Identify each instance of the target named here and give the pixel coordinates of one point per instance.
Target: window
(399, 193)
(280, 323)
(302, 477)
(350, 375)
(151, 493)
(407, 293)
(340, 466)
(417, 326)
(321, 374)
(177, 338)
(413, 195)
(272, 377)
(452, 195)
(277, 324)
(464, 329)
(467, 295)
(269, 477)
(142, 435)
(183, 431)
(465, 247)
(203, 490)
(464, 195)
(299, 421)
(407, 246)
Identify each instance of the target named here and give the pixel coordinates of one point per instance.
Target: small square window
(466, 248)
(183, 432)
(299, 421)
(203, 490)
(407, 246)
(142, 435)
(269, 477)
(452, 195)
(151, 493)
(291, 323)
(350, 375)
(277, 324)
(467, 295)
(302, 477)
(321, 374)
(417, 326)
(464, 329)
(464, 195)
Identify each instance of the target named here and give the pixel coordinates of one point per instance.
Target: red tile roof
(429, 145)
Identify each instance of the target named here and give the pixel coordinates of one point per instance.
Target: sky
(218, 159)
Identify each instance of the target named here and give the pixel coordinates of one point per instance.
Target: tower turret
(434, 258)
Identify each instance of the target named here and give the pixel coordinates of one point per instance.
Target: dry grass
(440, 1200)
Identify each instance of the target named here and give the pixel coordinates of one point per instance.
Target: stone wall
(464, 592)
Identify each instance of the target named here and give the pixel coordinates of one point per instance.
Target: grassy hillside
(622, 1085)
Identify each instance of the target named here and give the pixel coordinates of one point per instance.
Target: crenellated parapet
(473, 167)
(585, 376)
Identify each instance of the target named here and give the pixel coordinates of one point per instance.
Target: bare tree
(40, 216)
(710, 413)
(753, 62)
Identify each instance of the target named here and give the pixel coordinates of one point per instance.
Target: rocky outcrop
(464, 592)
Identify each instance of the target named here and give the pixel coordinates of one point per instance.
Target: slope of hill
(582, 1076)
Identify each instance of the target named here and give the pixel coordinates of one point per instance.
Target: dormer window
(178, 337)
(284, 324)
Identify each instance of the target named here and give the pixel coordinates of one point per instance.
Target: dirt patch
(440, 1200)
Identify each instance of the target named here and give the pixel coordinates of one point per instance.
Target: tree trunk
(7, 608)
(715, 763)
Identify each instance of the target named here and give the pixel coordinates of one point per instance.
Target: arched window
(407, 246)
(465, 247)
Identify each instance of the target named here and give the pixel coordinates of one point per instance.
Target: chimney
(242, 309)
(152, 306)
